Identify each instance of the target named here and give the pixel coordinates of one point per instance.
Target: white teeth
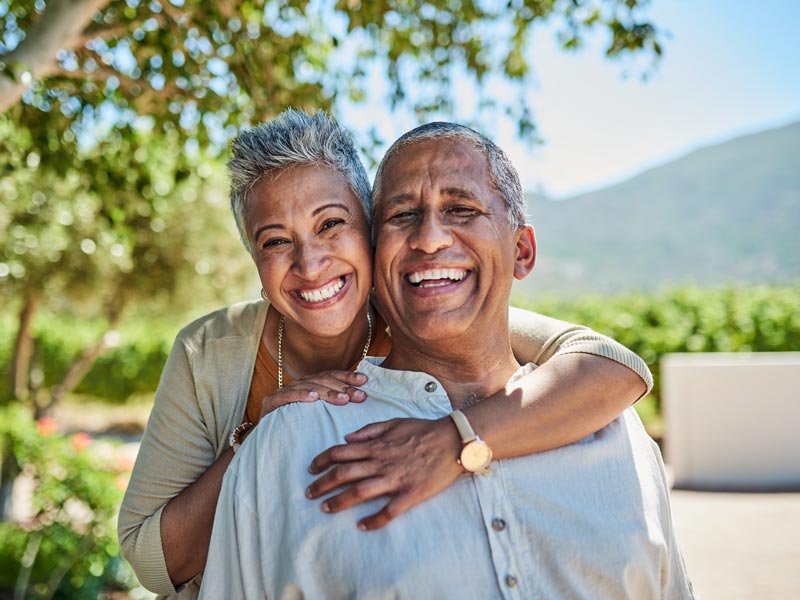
(437, 275)
(321, 294)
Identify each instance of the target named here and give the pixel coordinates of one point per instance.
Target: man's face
(446, 255)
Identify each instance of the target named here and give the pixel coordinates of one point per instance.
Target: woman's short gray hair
(290, 139)
(502, 173)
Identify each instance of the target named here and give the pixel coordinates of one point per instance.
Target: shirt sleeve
(176, 449)
(536, 338)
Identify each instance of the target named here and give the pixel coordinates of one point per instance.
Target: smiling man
(589, 520)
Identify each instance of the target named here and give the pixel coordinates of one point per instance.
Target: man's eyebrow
(398, 199)
(458, 193)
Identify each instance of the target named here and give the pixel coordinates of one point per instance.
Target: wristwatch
(475, 453)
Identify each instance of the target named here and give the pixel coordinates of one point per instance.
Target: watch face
(476, 456)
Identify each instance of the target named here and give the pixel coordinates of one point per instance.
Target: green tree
(113, 114)
(111, 110)
(209, 67)
(136, 220)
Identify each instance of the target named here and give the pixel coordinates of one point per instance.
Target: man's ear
(525, 252)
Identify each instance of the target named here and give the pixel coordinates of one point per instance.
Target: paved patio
(740, 546)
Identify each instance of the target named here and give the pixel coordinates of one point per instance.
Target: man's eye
(330, 223)
(401, 217)
(462, 211)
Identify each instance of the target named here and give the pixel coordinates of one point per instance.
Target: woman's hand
(409, 460)
(335, 387)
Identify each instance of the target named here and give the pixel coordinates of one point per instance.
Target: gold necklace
(280, 345)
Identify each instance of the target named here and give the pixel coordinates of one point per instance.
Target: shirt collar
(423, 387)
(389, 382)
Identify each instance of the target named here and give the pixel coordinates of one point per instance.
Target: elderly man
(590, 520)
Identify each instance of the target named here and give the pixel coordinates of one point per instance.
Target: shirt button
(498, 524)
(511, 581)
(431, 386)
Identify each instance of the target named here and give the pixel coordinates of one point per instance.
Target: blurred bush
(61, 541)
(755, 319)
(131, 368)
(688, 319)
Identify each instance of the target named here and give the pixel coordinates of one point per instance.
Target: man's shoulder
(282, 445)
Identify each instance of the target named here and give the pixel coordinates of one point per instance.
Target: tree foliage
(113, 112)
(208, 68)
(137, 220)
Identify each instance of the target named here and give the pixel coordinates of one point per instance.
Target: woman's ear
(525, 257)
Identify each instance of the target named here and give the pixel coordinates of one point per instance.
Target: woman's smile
(326, 294)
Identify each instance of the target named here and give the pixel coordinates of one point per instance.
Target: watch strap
(464, 428)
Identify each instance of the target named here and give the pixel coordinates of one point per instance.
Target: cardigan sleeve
(536, 338)
(176, 449)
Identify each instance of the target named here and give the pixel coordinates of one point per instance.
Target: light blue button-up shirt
(590, 520)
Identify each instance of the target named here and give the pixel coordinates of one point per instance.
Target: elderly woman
(301, 200)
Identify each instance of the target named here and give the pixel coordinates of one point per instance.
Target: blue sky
(730, 67)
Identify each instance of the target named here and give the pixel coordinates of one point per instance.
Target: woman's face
(311, 247)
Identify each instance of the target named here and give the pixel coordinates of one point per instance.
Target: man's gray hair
(502, 173)
(293, 138)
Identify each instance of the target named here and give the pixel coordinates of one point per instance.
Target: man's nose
(430, 234)
(310, 259)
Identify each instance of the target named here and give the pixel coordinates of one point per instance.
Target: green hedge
(66, 544)
(131, 368)
(756, 319)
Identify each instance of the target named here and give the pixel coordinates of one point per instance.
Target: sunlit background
(662, 173)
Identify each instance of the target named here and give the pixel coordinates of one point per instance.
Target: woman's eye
(273, 243)
(331, 223)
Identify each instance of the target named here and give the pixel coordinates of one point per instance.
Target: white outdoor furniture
(732, 420)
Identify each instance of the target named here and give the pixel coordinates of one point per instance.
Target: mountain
(727, 213)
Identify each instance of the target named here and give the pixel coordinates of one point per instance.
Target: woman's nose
(311, 259)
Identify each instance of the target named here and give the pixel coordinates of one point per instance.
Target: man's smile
(436, 277)
(436, 281)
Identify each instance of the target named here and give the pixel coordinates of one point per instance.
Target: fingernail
(359, 394)
(308, 492)
(325, 507)
(313, 394)
(361, 377)
(362, 527)
(342, 396)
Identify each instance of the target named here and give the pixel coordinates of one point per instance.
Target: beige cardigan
(202, 396)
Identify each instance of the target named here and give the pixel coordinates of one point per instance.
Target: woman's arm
(583, 385)
(536, 338)
(188, 518)
(176, 450)
(167, 515)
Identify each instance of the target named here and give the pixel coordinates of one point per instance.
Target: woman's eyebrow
(320, 209)
(264, 228)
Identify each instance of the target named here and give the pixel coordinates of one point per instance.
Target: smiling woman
(302, 202)
(311, 248)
